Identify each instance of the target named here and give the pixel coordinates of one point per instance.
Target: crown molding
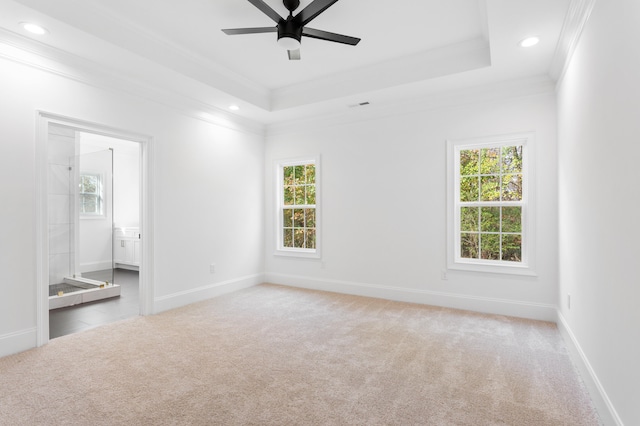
(574, 23)
(20, 49)
(182, 60)
(512, 89)
(456, 58)
(121, 32)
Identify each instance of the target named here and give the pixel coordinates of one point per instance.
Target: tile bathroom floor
(77, 318)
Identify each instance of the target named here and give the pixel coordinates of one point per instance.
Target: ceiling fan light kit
(289, 34)
(291, 29)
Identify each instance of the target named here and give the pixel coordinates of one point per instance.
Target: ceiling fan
(291, 29)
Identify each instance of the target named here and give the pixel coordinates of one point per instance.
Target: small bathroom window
(91, 195)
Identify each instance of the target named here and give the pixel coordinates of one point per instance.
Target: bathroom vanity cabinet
(126, 248)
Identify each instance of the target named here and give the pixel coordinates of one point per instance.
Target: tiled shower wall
(61, 151)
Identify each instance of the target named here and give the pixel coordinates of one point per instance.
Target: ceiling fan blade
(236, 31)
(294, 55)
(314, 9)
(325, 35)
(267, 10)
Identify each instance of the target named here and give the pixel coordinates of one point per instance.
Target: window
(491, 205)
(297, 208)
(91, 203)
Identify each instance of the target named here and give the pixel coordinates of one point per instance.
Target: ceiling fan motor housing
(289, 28)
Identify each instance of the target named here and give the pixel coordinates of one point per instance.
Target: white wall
(384, 211)
(126, 194)
(208, 199)
(95, 237)
(95, 249)
(126, 175)
(599, 128)
(386, 237)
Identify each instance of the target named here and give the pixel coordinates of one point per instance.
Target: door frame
(43, 120)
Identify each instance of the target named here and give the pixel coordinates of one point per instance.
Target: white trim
(25, 51)
(147, 226)
(574, 23)
(183, 298)
(293, 252)
(279, 250)
(443, 61)
(42, 231)
(420, 102)
(95, 266)
(528, 265)
(43, 120)
(604, 406)
(515, 308)
(18, 341)
(172, 53)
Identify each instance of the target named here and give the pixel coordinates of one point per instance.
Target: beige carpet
(273, 355)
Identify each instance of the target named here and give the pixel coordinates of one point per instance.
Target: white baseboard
(536, 311)
(19, 341)
(187, 297)
(605, 408)
(127, 266)
(95, 266)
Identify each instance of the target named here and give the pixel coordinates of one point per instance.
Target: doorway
(94, 185)
(86, 286)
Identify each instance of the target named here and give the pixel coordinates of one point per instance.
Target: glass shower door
(93, 216)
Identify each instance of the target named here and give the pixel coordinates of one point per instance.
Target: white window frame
(279, 204)
(454, 259)
(101, 200)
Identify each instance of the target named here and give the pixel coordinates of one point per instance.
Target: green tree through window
(490, 203)
(298, 206)
(90, 194)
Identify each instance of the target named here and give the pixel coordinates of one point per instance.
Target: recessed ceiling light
(234, 107)
(530, 41)
(34, 28)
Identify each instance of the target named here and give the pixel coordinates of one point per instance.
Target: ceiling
(409, 50)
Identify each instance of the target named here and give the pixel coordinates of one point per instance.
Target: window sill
(93, 217)
(520, 270)
(315, 254)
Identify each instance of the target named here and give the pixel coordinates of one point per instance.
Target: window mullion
(296, 176)
(500, 168)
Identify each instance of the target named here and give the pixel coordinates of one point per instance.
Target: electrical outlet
(443, 275)
(568, 301)
(212, 268)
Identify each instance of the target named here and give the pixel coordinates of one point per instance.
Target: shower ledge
(83, 296)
